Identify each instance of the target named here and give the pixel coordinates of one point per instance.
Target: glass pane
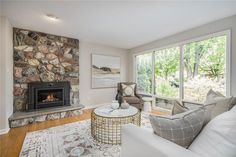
(164, 103)
(204, 68)
(167, 64)
(144, 73)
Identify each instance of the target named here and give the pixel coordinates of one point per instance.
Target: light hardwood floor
(11, 143)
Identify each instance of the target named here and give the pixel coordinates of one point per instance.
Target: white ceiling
(119, 24)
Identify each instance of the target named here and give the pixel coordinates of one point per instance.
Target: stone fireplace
(46, 77)
(48, 94)
(41, 57)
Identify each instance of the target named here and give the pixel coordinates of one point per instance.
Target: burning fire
(50, 98)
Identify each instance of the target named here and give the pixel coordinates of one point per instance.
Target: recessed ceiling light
(51, 17)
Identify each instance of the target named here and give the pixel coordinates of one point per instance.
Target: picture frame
(105, 71)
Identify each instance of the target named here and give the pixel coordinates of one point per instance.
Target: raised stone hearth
(24, 118)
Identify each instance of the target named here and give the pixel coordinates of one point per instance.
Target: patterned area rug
(70, 140)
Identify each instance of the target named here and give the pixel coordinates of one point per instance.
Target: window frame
(228, 65)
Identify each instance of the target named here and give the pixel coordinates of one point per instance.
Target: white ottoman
(147, 107)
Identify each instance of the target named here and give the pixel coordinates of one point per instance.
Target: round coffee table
(106, 123)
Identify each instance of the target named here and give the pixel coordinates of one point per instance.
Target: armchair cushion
(132, 100)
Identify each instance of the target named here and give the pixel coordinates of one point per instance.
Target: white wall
(91, 97)
(88, 97)
(6, 73)
(217, 26)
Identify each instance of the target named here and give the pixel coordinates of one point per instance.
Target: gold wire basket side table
(107, 129)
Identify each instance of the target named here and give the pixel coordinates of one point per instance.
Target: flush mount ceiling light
(52, 17)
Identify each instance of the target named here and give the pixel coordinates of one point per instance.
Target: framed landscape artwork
(105, 71)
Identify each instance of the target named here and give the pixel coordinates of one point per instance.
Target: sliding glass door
(144, 73)
(204, 68)
(167, 68)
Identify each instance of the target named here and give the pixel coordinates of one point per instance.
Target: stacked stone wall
(46, 58)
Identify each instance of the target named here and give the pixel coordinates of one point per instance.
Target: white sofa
(217, 139)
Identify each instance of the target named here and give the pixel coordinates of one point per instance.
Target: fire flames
(50, 98)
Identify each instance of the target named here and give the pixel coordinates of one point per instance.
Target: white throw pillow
(218, 138)
(128, 90)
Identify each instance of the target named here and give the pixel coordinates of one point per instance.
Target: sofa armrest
(139, 142)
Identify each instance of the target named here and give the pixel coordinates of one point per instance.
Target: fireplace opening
(48, 94)
(51, 95)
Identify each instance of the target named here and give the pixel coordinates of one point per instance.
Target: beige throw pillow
(128, 90)
(209, 110)
(181, 128)
(222, 103)
(178, 107)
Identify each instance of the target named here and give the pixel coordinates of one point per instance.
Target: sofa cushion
(132, 100)
(128, 90)
(233, 109)
(233, 103)
(178, 108)
(218, 138)
(181, 128)
(222, 103)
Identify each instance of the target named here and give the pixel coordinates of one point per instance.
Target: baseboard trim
(4, 131)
